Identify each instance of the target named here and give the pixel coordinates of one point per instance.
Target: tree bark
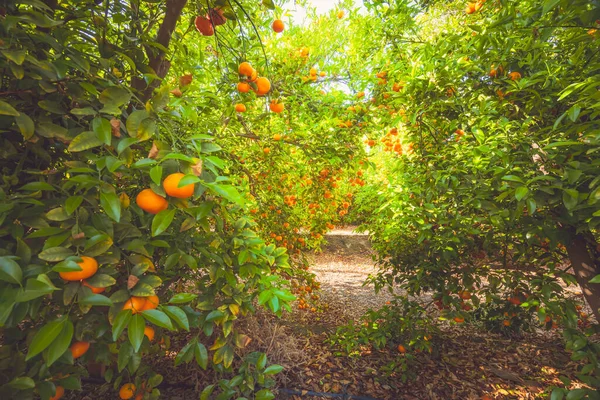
(585, 269)
(156, 57)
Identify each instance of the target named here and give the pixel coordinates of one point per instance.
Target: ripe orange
(149, 332)
(171, 183)
(360, 94)
(322, 74)
(151, 303)
(401, 349)
(266, 150)
(313, 71)
(514, 76)
(465, 295)
(89, 267)
(204, 26)
(278, 26)
(245, 69)
(253, 77)
(263, 86)
(135, 304)
(340, 14)
(150, 202)
(276, 107)
(277, 137)
(79, 348)
(60, 392)
(240, 108)
(470, 8)
(127, 391)
(506, 322)
(95, 290)
(459, 320)
(243, 87)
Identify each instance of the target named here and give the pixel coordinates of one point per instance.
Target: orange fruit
(240, 108)
(470, 8)
(204, 26)
(60, 392)
(79, 348)
(135, 304)
(276, 107)
(266, 150)
(277, 137)
(322, 74)
(245, 69)
(243, 87)
(465, 295)
(459, 320)
(401, 349)
(89, 267)
(95, 290)
(139, 396)
(263, 86)
(340, 14)
(360, 94)
(127, 391)
(151, 303)
(506, 322)
(313, 71)
(171, 183)
(514, 76)
(150, 202)
(278, 26)
(254, 76)
(149, 332)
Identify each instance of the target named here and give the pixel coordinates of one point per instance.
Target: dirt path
(466, 363)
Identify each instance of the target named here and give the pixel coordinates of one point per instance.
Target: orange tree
(123, 217)
(485, 190)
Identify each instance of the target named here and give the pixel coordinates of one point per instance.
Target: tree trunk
(156, 58)
(585, 269)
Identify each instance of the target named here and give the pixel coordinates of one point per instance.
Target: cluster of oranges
(249, 80)
(497, 72)
(305, 293)
(153, 203)
(313, 75)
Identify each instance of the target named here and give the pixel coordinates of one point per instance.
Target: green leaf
(158, 318)
(55, 254)
(72, 203)
(264, 394)
(557, 394)
(273, 369)
(16, 56)
(177, 315)
(114, 96)
(67, 265)
(120, 323)
(521, 192)
(186, 354)
(205, 395)
(134, 121)
(595, 279)
(213, 315)
(135, 331)
(21, 383)
(96, 300)
(156, 174)
(7, 109)
(111, 204)
(125, 353)
(102, 129)
(26, 125)
(83, 111)
(549, 5)
(512, 178)
(570, 198)
(10, 271)
(44, 337)
(228, 192)
(576, 394)
(181, 298)
(84, 141)
(60, 345)
(35, 186)
(161, 221)
(201, 355)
